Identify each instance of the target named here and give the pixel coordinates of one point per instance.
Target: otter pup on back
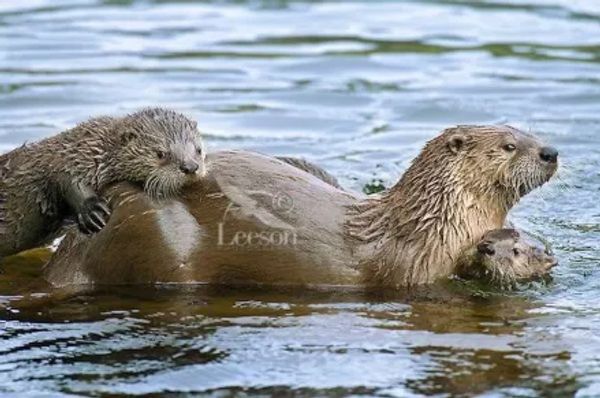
(44, 182)
(504, 257)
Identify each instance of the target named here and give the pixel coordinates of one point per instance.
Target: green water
(357, 87)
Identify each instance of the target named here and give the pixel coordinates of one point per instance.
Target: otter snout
(545, 258)
(549, 154)
(189, 167)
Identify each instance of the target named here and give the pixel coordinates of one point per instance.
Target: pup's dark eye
(199, 150)
(160, 154)
(509, 147)
(516, 251)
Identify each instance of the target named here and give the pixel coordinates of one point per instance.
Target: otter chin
(258, 220)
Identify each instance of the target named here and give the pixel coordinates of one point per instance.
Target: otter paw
(93, 216)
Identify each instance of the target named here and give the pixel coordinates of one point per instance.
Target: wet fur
(515, 257)
(311, 168)
(443, 204)
(95, 153)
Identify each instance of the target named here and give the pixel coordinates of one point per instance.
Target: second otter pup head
(160, 149)
(499, 162)
(503, 257)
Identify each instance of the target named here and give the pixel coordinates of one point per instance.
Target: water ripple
(358, 87)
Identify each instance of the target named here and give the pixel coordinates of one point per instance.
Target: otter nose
(189, 167)
(549, 154)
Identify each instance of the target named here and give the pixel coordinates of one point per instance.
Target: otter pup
(258, 220)
(43, 182)
(504, 257)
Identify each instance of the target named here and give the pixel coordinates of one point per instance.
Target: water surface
(357, 87)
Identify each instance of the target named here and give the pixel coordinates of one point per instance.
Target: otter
(461, 185)
(43, 183)
(504, 257)
(258, 220)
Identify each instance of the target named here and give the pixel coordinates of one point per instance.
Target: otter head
(499, 163)
(160, 149)
(503, 257)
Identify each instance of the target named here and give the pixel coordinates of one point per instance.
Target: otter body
(258, 220)
(504, 257)
(43, 183)
(253, 207)
(311, 168)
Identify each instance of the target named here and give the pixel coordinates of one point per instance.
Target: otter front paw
(93, 216)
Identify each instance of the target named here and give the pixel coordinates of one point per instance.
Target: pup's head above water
(503, 257)
(501, 161)
(161, 149)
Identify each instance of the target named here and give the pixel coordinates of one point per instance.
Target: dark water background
(357, 87)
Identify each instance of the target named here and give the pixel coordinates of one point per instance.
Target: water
(357, 87)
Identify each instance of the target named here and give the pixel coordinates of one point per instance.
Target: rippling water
(357, 87)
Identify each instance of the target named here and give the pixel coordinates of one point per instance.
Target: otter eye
(161, 154)
(509, 147)
(516, 251)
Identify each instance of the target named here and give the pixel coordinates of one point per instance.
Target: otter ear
(127, 136)
(514, 234)
(486, 247)
(456, 142)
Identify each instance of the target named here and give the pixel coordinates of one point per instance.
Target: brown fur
(461, 185)
(504, 257)
(178, 240)
(311, 168)
(36, 178)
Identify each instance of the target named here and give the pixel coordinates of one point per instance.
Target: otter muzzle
(189, 167)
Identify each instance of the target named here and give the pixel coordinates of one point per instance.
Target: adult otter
(42, 183)
(256, 219)
(504, 257)
(460, 186)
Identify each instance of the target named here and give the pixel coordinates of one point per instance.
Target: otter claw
(93, 216)
(96, 217)
(103, 207)
(82, 226)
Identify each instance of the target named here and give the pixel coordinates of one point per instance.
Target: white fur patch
(55, 243)
(179, 230)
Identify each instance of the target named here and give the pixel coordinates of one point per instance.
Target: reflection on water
(357, 87)
(194, 338)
